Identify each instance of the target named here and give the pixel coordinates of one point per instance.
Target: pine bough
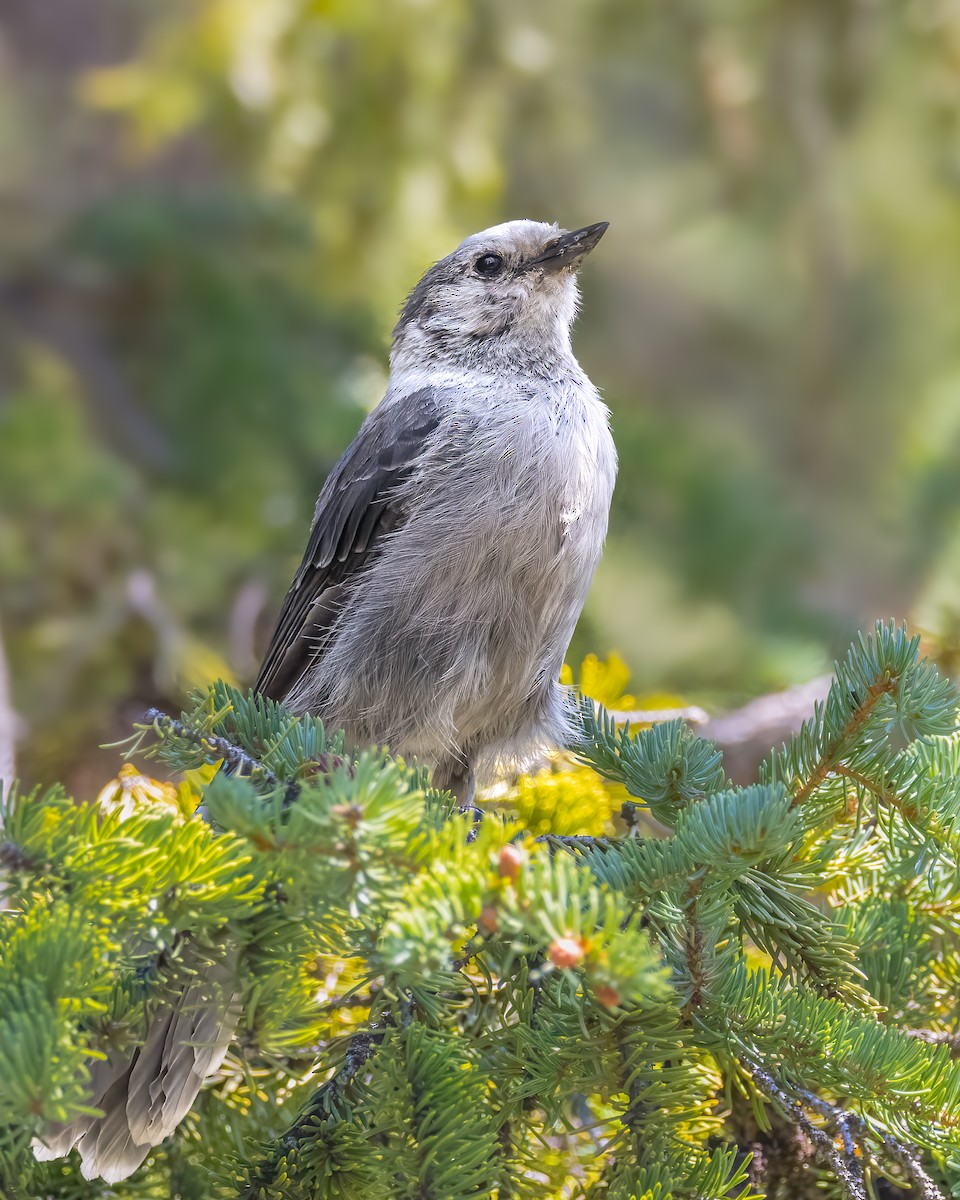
(437, 1007)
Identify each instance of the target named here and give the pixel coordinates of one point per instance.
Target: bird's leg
(455, 775)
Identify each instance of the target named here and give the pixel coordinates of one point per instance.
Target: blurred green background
(210, 211)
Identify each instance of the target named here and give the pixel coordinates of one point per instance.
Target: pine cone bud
(607, 995)
(511, 861)
(566, 952)
(488, 921)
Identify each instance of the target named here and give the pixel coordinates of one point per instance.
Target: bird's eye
(489, 265)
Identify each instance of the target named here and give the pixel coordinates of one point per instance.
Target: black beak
(569, 248)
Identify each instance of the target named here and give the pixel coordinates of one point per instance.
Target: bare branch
(656, 716)
(746, 735)
(847, 1148)
(218, 746)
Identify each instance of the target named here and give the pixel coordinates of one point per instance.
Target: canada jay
(449, 558)
(454, 542)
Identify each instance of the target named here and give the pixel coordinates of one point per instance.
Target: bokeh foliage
(212, 208)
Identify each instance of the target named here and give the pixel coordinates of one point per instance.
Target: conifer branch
(848, 1162)
(875, 786)
(576, 841)
(833, 752)
(846, 1165)
(906, 1157)
(854, 1132)
(217, 746)
(571, 991)
(892, 799)
(637, 1111)
(321, 1105)
(693, 946)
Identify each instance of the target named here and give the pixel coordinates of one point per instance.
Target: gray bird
(454, 542)
(450, 555)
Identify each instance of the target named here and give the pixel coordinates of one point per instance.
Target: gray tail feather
(146, 1098)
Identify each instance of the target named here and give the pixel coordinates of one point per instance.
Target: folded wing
(358, 506)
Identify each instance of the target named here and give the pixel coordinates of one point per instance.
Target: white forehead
(514, 235)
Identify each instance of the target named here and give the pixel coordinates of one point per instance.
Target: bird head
(508, 292)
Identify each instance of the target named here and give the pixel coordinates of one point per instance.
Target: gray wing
(357, 508)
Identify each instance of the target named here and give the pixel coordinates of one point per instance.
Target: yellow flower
(131, 792)
(604, 680)
(573, 801)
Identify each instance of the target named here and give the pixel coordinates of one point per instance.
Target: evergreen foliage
(439, 1004)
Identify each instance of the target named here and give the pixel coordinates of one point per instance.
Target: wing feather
(358, 506)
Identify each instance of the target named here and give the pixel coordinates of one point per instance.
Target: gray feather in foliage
(144, 1098)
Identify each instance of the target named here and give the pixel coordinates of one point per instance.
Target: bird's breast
(539, 485)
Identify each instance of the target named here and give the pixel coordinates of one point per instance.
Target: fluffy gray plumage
(450, 556)
(454, 542)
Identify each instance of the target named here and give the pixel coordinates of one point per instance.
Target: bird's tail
(145, 1098)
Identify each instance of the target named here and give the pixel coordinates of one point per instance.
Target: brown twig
(830, 758)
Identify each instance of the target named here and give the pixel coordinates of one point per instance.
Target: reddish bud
(487, 921)
(511, 861)
(607, 995)
(565, 952)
